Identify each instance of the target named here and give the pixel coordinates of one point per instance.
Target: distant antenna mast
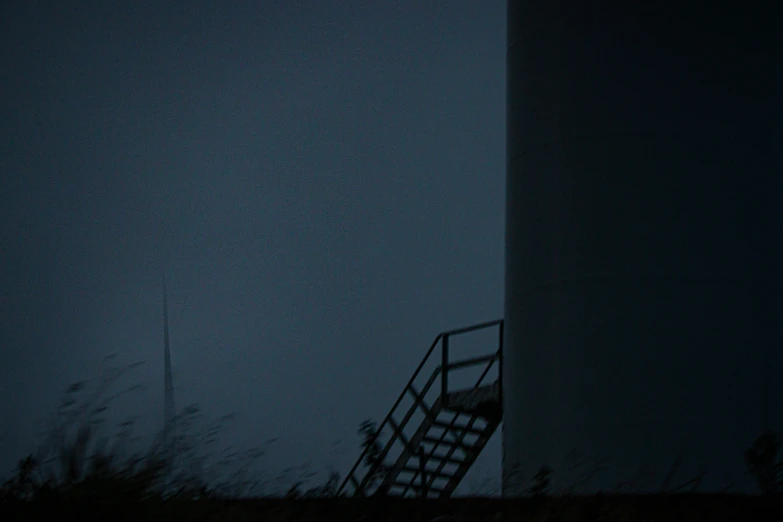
(168, 386)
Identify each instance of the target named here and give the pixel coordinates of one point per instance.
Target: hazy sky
(321, 181)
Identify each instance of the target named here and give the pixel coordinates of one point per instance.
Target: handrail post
(444, 374)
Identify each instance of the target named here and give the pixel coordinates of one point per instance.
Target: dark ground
(686, 507)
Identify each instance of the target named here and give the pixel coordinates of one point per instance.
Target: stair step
(448, 443)
(460, 472)
(449, 426)
(471, 398)
(447, 459)
(428, 472)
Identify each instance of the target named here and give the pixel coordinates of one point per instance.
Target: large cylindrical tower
(643, 242)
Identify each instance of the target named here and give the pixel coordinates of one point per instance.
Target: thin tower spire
(168, 386)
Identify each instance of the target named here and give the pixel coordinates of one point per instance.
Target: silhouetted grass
(82, 472)
(79, 461)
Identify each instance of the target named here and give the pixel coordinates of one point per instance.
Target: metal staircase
(432, 446)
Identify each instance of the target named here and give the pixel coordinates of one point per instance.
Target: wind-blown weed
(78, 460)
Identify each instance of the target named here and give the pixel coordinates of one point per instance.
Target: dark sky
(322, 183)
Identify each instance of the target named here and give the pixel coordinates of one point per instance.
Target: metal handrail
(442, 439)
(395, 433)
(440, 336)
(388, 416)
(473, 361)
(472, 328)
(444, 381)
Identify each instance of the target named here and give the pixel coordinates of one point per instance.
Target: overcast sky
(322, 183)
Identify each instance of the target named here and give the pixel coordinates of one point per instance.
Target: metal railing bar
(418, 399)
(400, 434)
(486, 370)
(397, 403)
(450, 452)
(438, 371)
(472, 328)
(473, 361)
(397, 431)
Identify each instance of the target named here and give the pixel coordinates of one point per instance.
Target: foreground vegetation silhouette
(77, 461)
